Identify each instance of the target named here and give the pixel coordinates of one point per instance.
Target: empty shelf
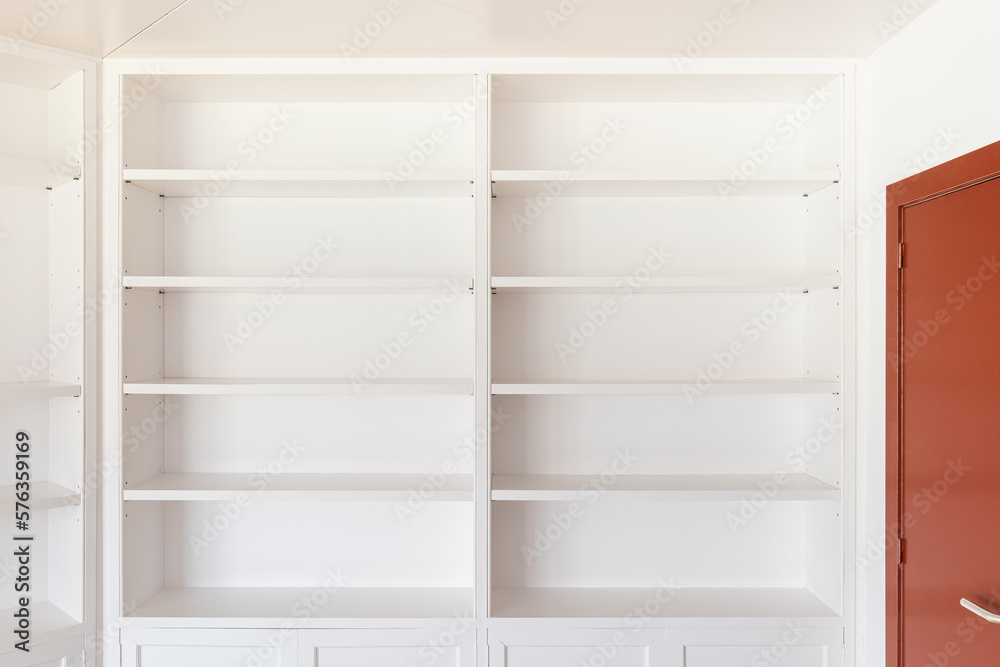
(597, 183)
(274, 606)
(44, 496)
(660, 487)
(299, 183)
(206, 387)
(682, 284)
(617, 603)
(306, 286)
(35, 174)
(296, 486)
(18, 391)
(636, 387)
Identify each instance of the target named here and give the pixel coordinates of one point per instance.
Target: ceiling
(458, 28)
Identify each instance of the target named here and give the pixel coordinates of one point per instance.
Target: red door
(943, 421)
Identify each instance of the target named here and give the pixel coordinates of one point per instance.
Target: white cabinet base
(448, 647)
(576, 648)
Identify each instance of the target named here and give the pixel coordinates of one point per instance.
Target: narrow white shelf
(215, 387)
(49, 623)
(660, 487)
(272, 607)
(35, 174)
(615, 604)
(297, 486)
(681, 284)
(634, 387)
(44, 496)
(19, 391)
(300, 183)
(306, 286)
(597, 183)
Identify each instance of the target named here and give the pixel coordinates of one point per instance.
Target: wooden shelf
(35, 174)
(216, 387)
(20, 391)
(679, 284)
(660, 487)
(299, 183)
(44, 496)
(640, 387)
(297, 486)
(49, 623)
(615, 604)
(597, 183)
(307, 286)
(271, 607)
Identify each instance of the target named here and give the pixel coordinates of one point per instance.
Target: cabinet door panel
(791, 646)
(577, 648)
(208, 648)
(442, 647)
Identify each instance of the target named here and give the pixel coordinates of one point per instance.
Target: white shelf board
(35, 174)
(49, 623)
(660, 487)
(216, 387)
(679, 284)
(296, 487)
(19, 391)
(306, 286)
(271, 607)
(44, 496)
(299, 183)
(530, 183)
(645, 387)
(657, 88)
(615, 604)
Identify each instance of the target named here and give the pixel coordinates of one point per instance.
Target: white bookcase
(47, 355)
(484, 371)
(300, 328)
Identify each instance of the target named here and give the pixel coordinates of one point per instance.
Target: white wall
(933, 95)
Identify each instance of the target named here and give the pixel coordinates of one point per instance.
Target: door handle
(980, 612)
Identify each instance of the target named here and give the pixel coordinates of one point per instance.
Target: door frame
(963, 172)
